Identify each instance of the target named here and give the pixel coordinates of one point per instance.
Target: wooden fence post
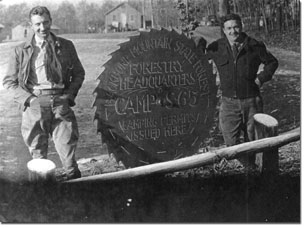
(266, 126)
(41, 170)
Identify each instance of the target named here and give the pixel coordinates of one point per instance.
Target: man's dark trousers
(236, 116)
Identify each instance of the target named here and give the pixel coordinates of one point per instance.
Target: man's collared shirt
(38, 73)
(238, 45)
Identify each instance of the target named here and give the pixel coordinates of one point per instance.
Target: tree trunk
(235, 9)
(223, 8)
(152, 15)
(279, 18)
(262, 9)
(286, 17)
(143, 13)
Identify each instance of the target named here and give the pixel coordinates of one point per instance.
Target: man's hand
(257, 81)
(31, 101)
(62, 107)
(65, 98)
(60, 100)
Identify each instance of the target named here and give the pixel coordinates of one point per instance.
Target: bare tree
(65, 17)
(224, 8)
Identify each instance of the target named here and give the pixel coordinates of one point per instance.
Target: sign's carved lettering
(160, 95)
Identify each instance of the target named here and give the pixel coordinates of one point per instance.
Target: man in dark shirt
(238, 58)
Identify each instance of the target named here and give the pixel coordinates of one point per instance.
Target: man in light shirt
(45, 75)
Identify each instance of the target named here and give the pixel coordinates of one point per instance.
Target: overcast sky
(11, 2)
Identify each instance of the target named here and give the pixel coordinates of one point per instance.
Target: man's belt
(41, 92)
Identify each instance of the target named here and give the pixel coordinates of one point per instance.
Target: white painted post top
(266, 120)
(41, 165)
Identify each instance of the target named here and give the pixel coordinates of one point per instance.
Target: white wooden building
(124, 17)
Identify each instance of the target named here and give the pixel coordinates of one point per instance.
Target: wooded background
(263, 15)
(274, 15)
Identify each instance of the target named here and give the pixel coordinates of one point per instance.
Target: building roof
(2, 26)
(113, 9)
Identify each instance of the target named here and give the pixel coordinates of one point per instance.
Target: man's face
(232, 29)
(41, 25)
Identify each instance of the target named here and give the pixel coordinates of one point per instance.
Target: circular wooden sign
(156, 98)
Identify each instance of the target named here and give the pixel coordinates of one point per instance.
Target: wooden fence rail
(262, 145)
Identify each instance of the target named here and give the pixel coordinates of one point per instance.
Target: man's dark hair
(231, 16)
(39, 10)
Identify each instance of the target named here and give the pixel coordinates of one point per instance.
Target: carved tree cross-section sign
(156, 98)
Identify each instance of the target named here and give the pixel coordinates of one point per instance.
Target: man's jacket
(238, 75)
(19, 69)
